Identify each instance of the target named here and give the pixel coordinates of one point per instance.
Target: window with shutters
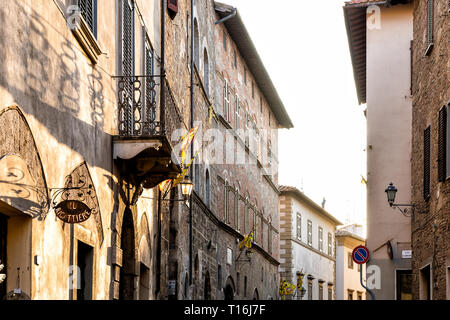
(430, 26)
(196, 45)
(85, 28)
(206, 71)
(426, 162)
(447, 142)
(330, 244)
(269, 240)
(224, 39)
(236, 111)
(320, 239)
(127, 42)
(310, 232)
(245, 76)
(88, 10)
(236, 210)
(226, 101)
(247, 121)
(320, 291)
(227, 217)
(255, 227)
(253, 90)
(207, 189)
(246, 217)
(349, 260)
(150, 106)
(299, 226)
(442, 144)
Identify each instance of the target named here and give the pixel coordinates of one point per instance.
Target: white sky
(304, 47)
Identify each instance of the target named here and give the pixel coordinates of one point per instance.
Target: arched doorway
(256, 295)
(229, 289)
(127, 244)
(229, 293)
(207, 288)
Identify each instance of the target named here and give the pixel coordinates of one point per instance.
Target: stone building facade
(430, 151)
(307, 246)
(94, 97)
(59, 117)
(234, 190)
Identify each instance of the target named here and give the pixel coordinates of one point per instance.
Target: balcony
(143, 148)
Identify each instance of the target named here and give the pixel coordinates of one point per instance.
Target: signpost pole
(361, 255)
(362, 284)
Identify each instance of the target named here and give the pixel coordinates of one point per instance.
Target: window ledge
(87, 40)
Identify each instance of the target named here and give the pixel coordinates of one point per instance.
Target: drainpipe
(192, 149)
(162, 119)
(227, 17)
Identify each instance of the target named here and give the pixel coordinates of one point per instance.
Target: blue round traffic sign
(360, 255)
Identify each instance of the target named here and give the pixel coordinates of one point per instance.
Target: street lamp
(391, 192)
(186, 187)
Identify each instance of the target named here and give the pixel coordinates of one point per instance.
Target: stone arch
(229, 288)
(17, 140)
(118, 257)
(207, 287)
(145, 260)
(255, 294)
(128, 247)
(144, 240)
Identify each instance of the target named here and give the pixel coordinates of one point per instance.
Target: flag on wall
(286, 288)
(187, 140)
(212, 114)
(363, 180)
(248, 240)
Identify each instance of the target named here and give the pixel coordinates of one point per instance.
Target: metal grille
(442, 144)
(126, 84)
(426, 162)
(87, 8)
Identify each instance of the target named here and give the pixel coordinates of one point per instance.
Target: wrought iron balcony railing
(139, 112)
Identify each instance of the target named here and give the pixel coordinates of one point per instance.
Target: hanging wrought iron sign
(78, 199)
(72, 211)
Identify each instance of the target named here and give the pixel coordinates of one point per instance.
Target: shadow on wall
(47, 82)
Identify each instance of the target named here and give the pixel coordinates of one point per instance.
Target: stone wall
(431, 91)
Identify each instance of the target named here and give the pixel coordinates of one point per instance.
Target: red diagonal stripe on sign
(359, 254)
